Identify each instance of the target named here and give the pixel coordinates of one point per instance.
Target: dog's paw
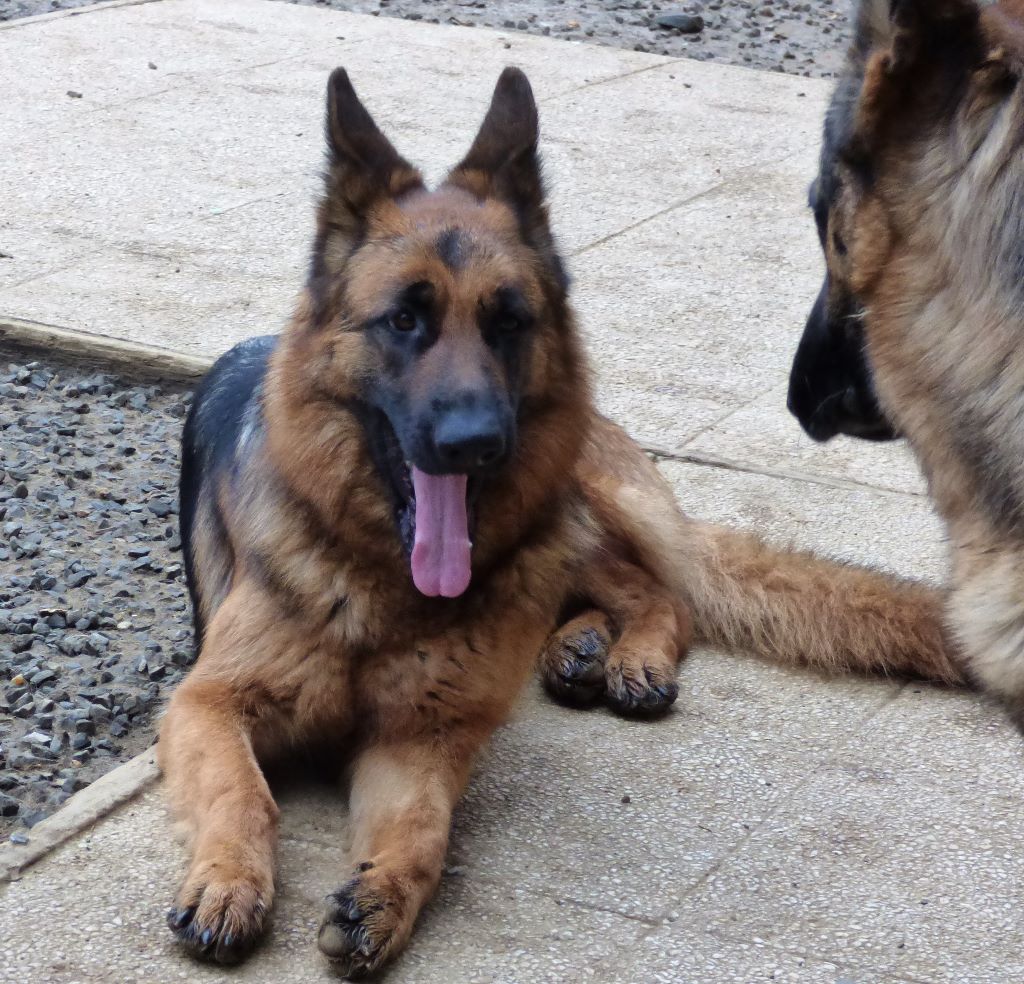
(220, 919)
(639, 688)
(366, 923)
(572, 665)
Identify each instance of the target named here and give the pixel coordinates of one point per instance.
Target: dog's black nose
(469, 440)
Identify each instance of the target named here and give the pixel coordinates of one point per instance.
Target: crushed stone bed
(798, 37)
(94, 621)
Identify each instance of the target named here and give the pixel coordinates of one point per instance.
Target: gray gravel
(94, 623)
(801, 38)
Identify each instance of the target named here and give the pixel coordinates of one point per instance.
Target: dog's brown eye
(403, 320)
(509, 323)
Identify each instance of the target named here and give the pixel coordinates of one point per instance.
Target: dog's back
(226, 415)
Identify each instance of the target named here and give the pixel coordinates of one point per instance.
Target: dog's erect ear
(873, 27)
(363, 166)
(916, 52)
(503, 161)
(363, 169)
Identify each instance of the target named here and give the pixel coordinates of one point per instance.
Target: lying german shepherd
(925, 231)
(390, 511)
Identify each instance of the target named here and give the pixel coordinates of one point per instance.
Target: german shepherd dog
(393, 509)
(925, 229)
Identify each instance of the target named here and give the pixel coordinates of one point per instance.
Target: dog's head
(831, 385)
(441, 316)
(925, 230)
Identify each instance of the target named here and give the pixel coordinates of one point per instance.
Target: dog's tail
(791, 607)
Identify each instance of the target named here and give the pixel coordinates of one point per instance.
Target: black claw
(178, 919)
(207, 938)
(649, 702)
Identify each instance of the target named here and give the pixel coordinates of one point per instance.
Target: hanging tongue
(440, 552)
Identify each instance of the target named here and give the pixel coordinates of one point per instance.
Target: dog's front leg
(217, 788)
(402, 799)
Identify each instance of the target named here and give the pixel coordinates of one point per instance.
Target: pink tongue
(440, 552)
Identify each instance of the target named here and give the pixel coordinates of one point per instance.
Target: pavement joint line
(664, 62)
(75, 12)
(706, 460)
(192, 80)
(651, 922)
(650, 218)
(738, 175)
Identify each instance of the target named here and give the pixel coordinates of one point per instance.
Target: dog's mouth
(435, 516)
(849, 412)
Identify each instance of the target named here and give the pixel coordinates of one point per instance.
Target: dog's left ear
(503, 163)
(929, 46)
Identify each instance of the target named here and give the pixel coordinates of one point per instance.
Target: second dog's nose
(467, 441)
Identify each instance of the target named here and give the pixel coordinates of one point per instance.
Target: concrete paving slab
(699, 310)
(764, 432)
(237, 118)
(897, 532)
(911, 879)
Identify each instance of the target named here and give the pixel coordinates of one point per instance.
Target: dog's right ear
(363, 170)
(363, 165)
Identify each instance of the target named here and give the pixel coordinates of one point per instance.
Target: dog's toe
(364, 925)
(638, 691)
(573, 666)
(219, 921)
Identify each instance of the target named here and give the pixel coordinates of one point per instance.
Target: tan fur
(322, 637)
(932, 209)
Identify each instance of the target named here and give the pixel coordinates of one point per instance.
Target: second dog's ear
(915, 50)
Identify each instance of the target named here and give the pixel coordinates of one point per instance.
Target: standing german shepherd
(390, 511)
(925, 229)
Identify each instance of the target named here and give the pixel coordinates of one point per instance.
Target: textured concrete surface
(780, 827)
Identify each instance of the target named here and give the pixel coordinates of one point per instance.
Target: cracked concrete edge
(73, 12)
(51, 340)
(96, 801)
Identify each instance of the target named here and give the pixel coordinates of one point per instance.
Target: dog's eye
(403, 320)
(509, 323)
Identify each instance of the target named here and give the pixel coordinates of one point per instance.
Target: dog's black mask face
(831, 383)
(831, 389)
